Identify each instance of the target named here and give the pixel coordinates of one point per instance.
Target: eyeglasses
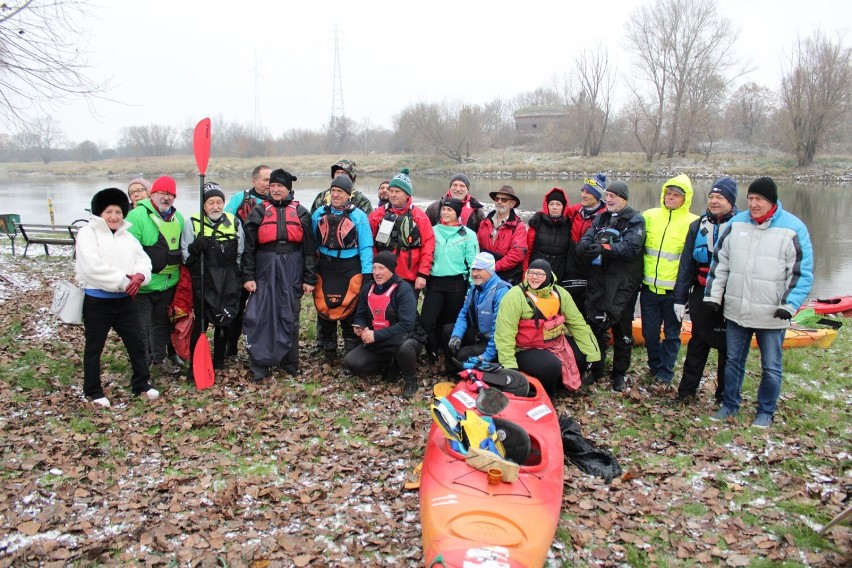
(499, 199)
(536, 273)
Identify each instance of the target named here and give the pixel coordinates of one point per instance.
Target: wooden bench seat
(48, 235)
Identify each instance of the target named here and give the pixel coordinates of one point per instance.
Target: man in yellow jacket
(665, 234)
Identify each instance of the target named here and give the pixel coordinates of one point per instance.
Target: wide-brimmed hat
(507, 190)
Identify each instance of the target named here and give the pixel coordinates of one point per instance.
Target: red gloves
(135, 282)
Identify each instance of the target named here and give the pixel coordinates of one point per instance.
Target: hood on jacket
(681, 181)
(547, 198)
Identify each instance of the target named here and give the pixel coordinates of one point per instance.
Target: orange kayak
(470, 522)
(795, 336)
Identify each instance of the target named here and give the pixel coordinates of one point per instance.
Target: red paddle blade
(202, 364)
(201, 144)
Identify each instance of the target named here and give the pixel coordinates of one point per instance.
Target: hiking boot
(722, 414)
(685, 398)
(409, 387)
(166, 367)
(762, 421)
(661, 387)
(175, 358)
(589, 379)
(102, 401)
(618, 383)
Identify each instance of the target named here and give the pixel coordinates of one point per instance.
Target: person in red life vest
(549, 233)
(404, 230)
(580, 217)
(222, 244)
(345, 245)
(708, 327)
(471, 213)
(504, 235)
(532, 323)
(240, 205)
(279, 266)
(386, 323)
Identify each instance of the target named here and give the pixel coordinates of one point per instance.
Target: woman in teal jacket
(455, 248)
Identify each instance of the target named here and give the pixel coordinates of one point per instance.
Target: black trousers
(99, 316)
(153, 316)
(622, 345)
(327, 333)
(375, 358)
(708, 332)
(470, 346)
(442, 303)
(543, 365)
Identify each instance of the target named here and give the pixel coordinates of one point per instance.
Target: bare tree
(748, 111)
(596, 87)
(815, 92)
(42, 58)
(676, 42)
(450, 129)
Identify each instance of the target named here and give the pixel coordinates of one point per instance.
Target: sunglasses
(499, 199)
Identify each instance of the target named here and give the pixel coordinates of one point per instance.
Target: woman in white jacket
(111, 266)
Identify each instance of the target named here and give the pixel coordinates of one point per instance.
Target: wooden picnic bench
(47, 235)
(9, 226)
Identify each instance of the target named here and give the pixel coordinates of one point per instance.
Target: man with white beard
(221, 243)
(157, 225)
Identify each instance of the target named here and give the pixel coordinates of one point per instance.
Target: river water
(822, 207)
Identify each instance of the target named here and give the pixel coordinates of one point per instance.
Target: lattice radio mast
(337, 110)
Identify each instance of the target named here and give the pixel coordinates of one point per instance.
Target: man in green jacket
(157, 225)
(666, 228)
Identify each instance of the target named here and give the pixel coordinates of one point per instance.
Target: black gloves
(713, 307)
(593, 251)
(454, 344)
(783, 314)
(198, 246)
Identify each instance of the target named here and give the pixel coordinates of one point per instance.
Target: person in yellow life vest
(222, 243)
(666, 228)
(532, 324)
(157, 225)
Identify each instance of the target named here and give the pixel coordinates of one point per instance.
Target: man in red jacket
(504, 235)
(405, 230)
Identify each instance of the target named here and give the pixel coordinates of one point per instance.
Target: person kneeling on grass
(534, 318)
(111, 266)
(386, 322)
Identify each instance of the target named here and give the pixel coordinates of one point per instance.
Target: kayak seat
(516, 441)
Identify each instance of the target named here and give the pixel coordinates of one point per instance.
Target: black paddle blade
(491, 401)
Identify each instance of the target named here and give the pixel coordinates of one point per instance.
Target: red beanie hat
(164, 184)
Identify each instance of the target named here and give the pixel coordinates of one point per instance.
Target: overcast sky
(174, 62)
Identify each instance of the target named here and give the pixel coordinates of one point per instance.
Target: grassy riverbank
(309, 470)
(490, 164)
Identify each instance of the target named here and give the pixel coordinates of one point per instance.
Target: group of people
(545, 297)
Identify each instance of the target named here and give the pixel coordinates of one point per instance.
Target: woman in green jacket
(534, 318)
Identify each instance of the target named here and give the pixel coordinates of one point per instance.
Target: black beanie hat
(343, 182)
(454, 204)
(766, 188)
(212, 189)
(387, 259)
(110, 196)
(556, 194)
(542, 264)
(283, 177)
(462, 178)
(619, 188)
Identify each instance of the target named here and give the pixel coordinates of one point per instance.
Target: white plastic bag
(68, 303)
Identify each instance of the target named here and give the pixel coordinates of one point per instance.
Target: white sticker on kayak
(464, 398)
(486, 557)
(539, 412)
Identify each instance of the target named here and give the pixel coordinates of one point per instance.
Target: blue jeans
(658, 310)
(739, 342)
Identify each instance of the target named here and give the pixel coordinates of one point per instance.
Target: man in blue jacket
(763, 270)
(471, 338)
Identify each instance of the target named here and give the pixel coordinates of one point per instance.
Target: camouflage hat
(346, 165)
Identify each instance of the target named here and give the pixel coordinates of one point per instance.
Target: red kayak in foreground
(469, 522)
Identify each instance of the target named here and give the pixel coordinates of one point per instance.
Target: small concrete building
(534, 120)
